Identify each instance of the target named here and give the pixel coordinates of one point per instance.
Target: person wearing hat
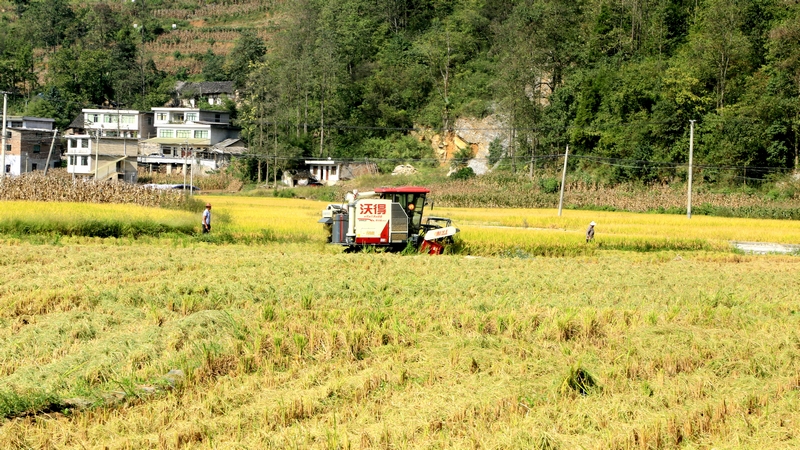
(207, 218)
(590, 232)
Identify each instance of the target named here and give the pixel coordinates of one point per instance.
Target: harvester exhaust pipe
(351, 215)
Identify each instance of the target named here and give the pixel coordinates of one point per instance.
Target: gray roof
(206, 87)
(232, 145)
(77, 122)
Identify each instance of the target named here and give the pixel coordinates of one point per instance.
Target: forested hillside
(617, 80)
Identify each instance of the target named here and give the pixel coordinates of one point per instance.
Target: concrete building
(187, 137)
(39, 123)
(27, 150)
(190, 95)
(330, 171)
(105, 143)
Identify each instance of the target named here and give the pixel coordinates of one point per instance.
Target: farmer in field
(590, 232)
(207, 219)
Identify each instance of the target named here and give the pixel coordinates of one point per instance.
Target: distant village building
(330, 171)
(190, 95)
(104, 143)
(299, 178)
(27, 150)
(40, 123)
(187, 137)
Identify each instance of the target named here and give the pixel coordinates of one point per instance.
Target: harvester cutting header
(389, 218)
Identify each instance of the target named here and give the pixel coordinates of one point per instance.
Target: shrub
(549, 185)
(463, 173)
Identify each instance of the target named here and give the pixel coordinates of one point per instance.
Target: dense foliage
(618, 81)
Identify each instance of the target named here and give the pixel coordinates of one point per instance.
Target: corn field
(228, 8)
(59, 186)
(489, 192)
(181, 49)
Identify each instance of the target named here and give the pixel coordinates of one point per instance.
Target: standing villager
(590, 232)
(207, 218)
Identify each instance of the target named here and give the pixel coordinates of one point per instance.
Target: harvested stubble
(58, 186)
(366, 351)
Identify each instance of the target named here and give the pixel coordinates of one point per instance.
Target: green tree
(214, 67)
(47, 22)
(249, 49)
(720, 47)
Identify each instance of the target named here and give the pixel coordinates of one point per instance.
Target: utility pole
(5, 132)
(97, 153)
(191, 174)
(52, 144)
(563, 181)
(691, 157)
(184, 166)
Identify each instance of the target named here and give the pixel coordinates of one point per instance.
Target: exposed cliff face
(472, 133)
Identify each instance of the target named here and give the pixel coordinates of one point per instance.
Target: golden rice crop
(65, 212)
(486, 228)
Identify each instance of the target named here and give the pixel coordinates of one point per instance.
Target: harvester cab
(389, 218)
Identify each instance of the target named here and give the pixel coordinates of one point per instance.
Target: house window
(201, 134)
(33, 166)
(333, 170)
(84, 160)
(161, 117)
(8, 168)
(128, 118)
(149, 120)
(166, 133)
(167, 150)
(84, 143)
(191, 117)
(216, 117)
(8, 147)
(177, 117)
(111, 134)
(37, 148)
(183, 134)
(71, 160)
(110, 118)
(93, 118)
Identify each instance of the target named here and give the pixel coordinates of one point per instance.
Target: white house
(186, 137)
(330, 171)
(105, 143)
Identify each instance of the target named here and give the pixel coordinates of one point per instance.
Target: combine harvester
(389, 218)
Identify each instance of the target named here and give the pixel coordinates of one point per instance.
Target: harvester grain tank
(389, 218)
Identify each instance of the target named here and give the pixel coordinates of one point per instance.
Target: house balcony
(79, 151)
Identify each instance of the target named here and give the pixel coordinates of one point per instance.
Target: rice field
(173, 343)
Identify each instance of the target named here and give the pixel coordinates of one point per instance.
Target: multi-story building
(105, 143)
(186, 137)
(28, 149)
(39, 123)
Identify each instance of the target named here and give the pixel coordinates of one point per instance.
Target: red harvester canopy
(403, 190)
